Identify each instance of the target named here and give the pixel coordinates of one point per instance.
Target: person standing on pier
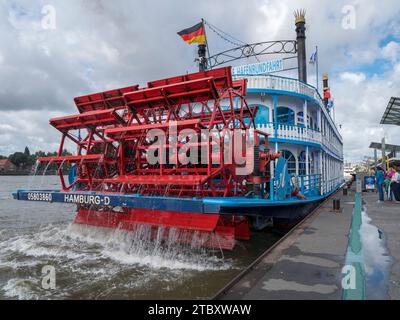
(380, 179)
(395, 184)
(388, 178)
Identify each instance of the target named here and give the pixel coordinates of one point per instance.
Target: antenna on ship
(300, 23)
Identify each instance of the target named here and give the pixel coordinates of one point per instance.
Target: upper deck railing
(291, 85)
(299, 133)
(283, 84)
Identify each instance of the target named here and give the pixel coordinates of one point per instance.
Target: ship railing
(291, 131)
(308, 185)
(329, 185)
(280, 83)
(268, 128)
(298, 132)
(283, 84)
(334, 147)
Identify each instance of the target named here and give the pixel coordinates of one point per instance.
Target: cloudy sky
(97, 45)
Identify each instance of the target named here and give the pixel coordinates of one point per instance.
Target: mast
(202, 52)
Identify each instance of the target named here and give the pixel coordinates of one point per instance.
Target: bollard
(336, 204)
(358, 186)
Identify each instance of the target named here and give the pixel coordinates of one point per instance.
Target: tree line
(25, 160)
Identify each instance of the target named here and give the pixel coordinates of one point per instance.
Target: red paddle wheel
(177, 138)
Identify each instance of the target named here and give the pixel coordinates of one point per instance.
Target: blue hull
(285, 211)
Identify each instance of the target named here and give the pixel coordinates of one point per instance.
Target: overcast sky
(99, 45)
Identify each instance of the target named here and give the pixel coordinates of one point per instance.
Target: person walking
(380, 179)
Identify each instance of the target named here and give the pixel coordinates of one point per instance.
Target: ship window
(300, 120)
(312, 163)
(285, 115)
(291, 161)
(302, 163)
(310, 122)
(262, 116)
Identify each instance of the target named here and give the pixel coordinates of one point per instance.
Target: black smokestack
(300, 23)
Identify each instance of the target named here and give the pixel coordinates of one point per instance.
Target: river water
(92, 263)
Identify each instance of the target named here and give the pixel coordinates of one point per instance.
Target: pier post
(383, 154)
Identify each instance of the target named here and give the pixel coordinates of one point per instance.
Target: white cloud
(353, 77)
(112, 54)
(6, 128)
(391, 51)
(359, 109)
(275, 15)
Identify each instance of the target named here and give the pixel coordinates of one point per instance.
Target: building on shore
(7, 166)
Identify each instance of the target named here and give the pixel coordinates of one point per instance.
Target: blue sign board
(258, 68)
(369, 182)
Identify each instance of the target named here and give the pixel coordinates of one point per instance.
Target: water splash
(21, 288)
(62, 165)
(44, 173)
(33, 174)
(89, 256)
(142, 248)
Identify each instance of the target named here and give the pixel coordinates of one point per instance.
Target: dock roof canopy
(392, 112)
(388, 147)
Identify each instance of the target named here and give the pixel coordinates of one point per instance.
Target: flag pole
(205, 36)
(316, 50)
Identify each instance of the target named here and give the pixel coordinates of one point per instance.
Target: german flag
(193, 34)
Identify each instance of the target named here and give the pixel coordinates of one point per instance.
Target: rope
(221, 33)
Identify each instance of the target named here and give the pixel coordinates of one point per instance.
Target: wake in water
(93, 262)
(141, 248)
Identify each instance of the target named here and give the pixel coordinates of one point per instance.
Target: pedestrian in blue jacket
(380, 179)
